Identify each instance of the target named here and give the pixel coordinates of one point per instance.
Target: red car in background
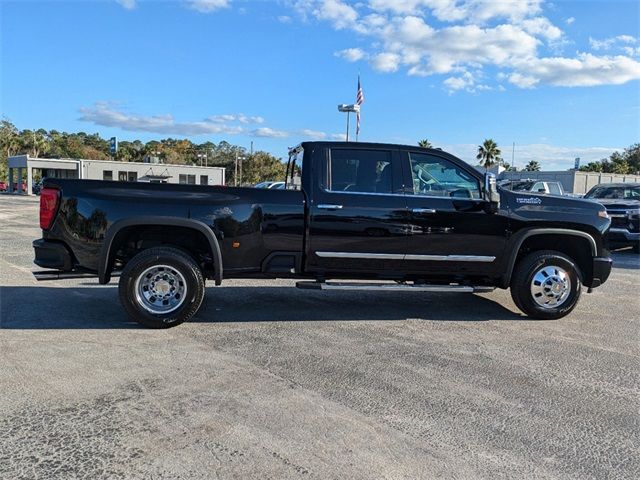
(4, 186)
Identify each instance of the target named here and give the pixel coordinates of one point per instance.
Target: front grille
(627, 219)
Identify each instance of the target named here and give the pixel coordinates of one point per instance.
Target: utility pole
(235, 177)
(513, 156)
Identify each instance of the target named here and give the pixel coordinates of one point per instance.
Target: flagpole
(348, 114)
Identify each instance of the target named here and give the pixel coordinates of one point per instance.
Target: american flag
(359, 101)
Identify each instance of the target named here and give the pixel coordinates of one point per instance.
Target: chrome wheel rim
(550, 286)
(160, 289)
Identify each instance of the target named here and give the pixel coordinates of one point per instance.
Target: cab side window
(360, 171)
(438, 177)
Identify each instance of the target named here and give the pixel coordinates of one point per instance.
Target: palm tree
(489, 154)
(424, 143)
(532, 166)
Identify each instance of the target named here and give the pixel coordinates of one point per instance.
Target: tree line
(253, 167)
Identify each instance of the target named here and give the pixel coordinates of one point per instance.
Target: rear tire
(546, 285)
(161, 287)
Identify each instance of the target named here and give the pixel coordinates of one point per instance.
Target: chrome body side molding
(397, 256)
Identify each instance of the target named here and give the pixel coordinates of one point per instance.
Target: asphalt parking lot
(273, 382)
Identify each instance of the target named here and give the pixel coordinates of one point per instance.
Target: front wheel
(161, 287)
(546, 285)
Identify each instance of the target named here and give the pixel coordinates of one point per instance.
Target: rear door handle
(423, 210)
(329, 206)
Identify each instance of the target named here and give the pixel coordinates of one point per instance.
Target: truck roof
(369, 144)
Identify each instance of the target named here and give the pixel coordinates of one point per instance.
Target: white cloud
(351, 54)
(508, 35)
(208, 6)
(386, 62)
(240, 117)
(269, 132)
(587, 70)
(570, 20)
(284, 19)
(128, 4)
(312, 134)
(106, 114)
(337, 12)
(542, 27)
(621, 41)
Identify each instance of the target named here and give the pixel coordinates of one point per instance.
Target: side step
(44, 275)
(392, 287)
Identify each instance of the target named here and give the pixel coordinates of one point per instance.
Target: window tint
(438, 177)
(107, 174)
(554, 189)
(619, 193)
(539, 188)
(204, 179)
(293, 180)
(366, 171)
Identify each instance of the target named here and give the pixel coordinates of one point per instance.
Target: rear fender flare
(106, 255)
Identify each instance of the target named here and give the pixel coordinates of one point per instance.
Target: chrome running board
(392, 287)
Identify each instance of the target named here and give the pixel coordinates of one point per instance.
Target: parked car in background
(622, 201)
(271, 185)
(37, 186)
(3, 186)
(535, 186)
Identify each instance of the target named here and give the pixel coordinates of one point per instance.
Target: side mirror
(491, 195)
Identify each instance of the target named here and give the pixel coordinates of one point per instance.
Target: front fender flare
(518, 239)
(106, 255)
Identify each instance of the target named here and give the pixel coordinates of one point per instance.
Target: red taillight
(49, 198)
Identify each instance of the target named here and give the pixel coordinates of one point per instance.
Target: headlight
(603, 214)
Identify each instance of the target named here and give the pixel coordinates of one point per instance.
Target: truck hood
(550, 209)
(618, 204)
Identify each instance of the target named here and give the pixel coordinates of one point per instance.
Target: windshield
(615, 193)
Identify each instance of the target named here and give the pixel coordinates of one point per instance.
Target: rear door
(358, 214)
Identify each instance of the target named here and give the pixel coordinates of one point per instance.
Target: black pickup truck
(351, 216)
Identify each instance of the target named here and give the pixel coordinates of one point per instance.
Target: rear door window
(360, 171)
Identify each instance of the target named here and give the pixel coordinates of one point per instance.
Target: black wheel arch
(107, 252)
(548, 234)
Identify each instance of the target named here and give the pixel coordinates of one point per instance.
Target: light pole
(201, 156)
(239, 158)
(348, 108)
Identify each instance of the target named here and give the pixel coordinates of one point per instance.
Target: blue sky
(560, 79)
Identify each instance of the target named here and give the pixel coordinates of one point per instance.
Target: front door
(358, 216)
(450, 230)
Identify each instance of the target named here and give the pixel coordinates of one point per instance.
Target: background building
(108, 170)
(573, 181)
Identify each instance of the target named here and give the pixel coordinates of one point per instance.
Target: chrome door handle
(423, 210)
(329, 206)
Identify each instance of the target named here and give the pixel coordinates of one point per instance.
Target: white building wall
(95, 170)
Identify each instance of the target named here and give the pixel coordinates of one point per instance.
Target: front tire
(546, 285)
(161, 287)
